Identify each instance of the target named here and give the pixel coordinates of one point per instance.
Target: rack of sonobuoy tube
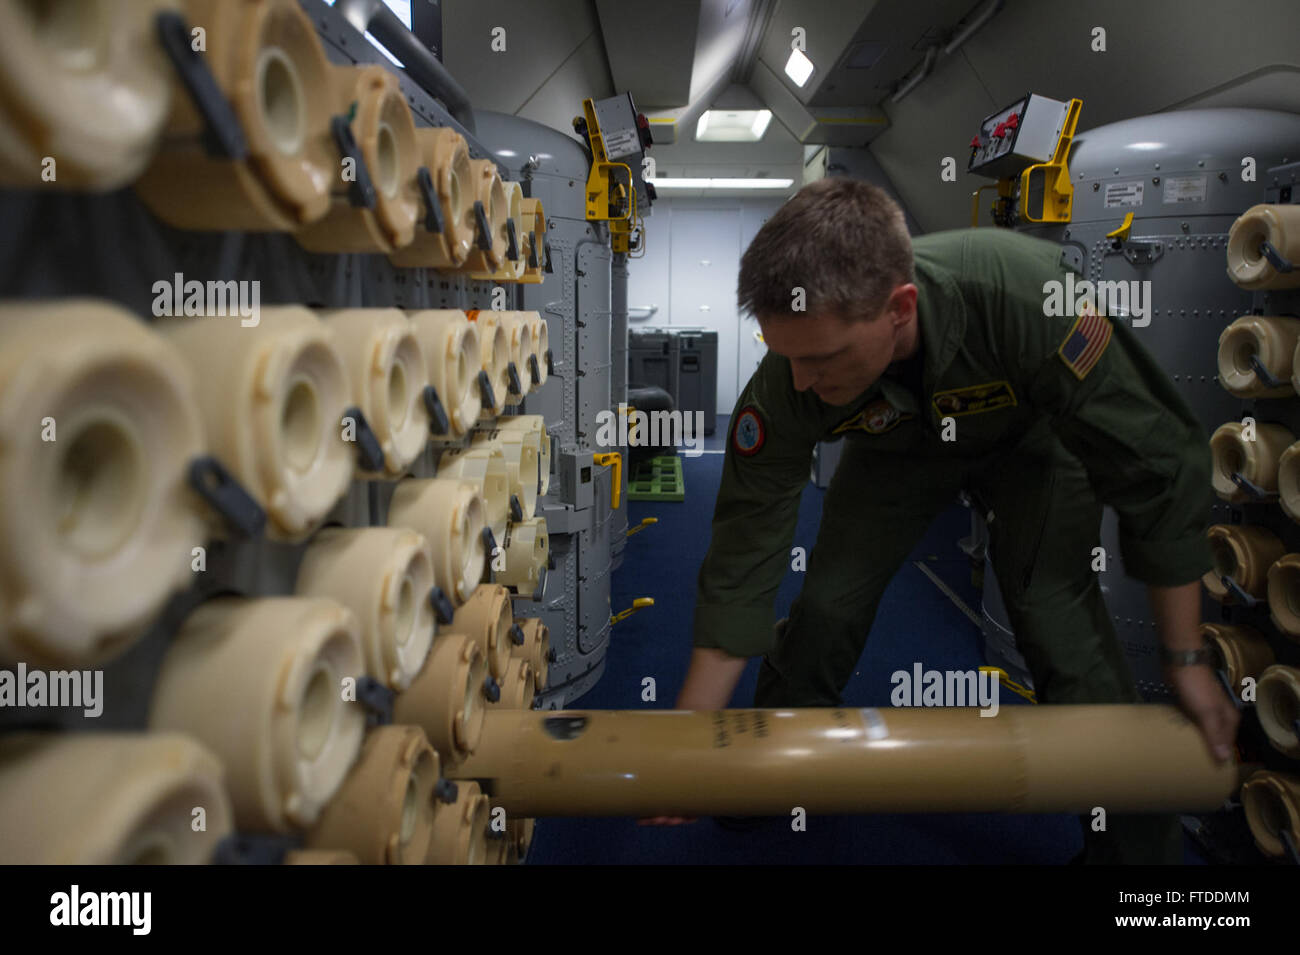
(1255, 583)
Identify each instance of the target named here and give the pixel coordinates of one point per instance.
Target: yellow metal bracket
(1125, 227)
(1052, 179)
(639, 604)
(1011, 684)
(645, 522)
(602, 186)
(616, 459)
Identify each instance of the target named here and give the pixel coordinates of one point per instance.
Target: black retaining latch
(369, 450)
(1275, 258)
(377, 699)
(485, 390)
(512, 241)
(492, 689)
(246, 848)
(445, 791)
(222, 134)
(484, 229)
(534, 370)
(361, 191)
(432, 207)
(212, 482)
(439, 423)
(516, 509)
(550, 362)
(441, 603)
(532, 250)
(517, 634)
(516, 385)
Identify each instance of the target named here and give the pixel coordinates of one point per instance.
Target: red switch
(974, 142)
(999, 130)
(1013, 121)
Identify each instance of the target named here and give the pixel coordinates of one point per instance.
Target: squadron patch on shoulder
(876, 418)
(973, 399)
(1087, 340)
(748, 434)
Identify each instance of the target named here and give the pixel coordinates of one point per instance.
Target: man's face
(841, 358)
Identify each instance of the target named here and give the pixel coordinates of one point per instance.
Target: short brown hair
(843, 241)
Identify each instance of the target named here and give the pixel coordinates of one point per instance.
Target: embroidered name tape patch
(748, 434)
(974, 399)
(1087, 340)
(876, 418)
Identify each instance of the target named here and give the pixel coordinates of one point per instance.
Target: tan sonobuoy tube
(494, 346)
(385, 133)
(109, 799)
(86, 85)
(519, 338)
(453, 359)
(98, 426)
(536, 648)
(1288, 481)
(1278, 707)
(387, 373)
(1270, 339)
(520, 453)
(1245, 553)
(450, 515)
(384, 576)
(485, 467)
(534, 241)
(509, 270)
(487, 188)
(267, 61)
(272, 397)
(1128, 758)
(446, 700)
(319, 857)
(1272, 804)
(527, 548)
(486, 618)
(1256, 460)
(1284, 594)
(517, 686)
(460, 829)
(444, 153)
(535, 425)
(262, 684)
(1248, 265)
(1239, 651)
(383, 811)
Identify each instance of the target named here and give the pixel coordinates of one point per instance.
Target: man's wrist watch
(1185, 658)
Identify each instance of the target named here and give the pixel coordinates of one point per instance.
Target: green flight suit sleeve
(1146, 454)
(756, 512)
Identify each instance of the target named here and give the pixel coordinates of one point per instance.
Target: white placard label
(1124, 194)
(1185, 189)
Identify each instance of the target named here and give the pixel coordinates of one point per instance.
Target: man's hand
(1204, 700)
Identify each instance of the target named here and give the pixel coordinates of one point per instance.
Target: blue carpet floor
(915, 623)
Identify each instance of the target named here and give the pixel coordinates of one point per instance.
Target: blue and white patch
(748, 435)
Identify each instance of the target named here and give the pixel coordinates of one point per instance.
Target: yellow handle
(638, 604)
(1011, 684)
(1122, 232)
(616, 459)
(645, 522)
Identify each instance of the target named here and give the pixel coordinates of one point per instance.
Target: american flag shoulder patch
(1087, 340)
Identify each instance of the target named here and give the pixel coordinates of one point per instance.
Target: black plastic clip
(1275, 258)
(517, 634)
(534, 370)
(244, 848)
(512, 241)
(439, 423)
(222, 134)
(369, 450)
(546, 246)
(441, 603)
(541, 585)
(492, 689)
(432, 207)
(1263, 374)
(1254, 490)
(361, 191)
(516, 509)
(445, 791)
(489, 544)
(1235, 589)
(551, 655)
(532, 250)
(550, 561)
(516, 386)
(484, 229)
(377, 699)
(212, 482)
(550, 362)
(485, 390)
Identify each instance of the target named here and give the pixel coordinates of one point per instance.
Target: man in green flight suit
(945, 365)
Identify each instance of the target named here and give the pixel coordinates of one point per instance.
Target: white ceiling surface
(1161, 54)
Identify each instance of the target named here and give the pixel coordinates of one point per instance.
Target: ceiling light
(732, 125)
(798, 67)
(662, 184)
